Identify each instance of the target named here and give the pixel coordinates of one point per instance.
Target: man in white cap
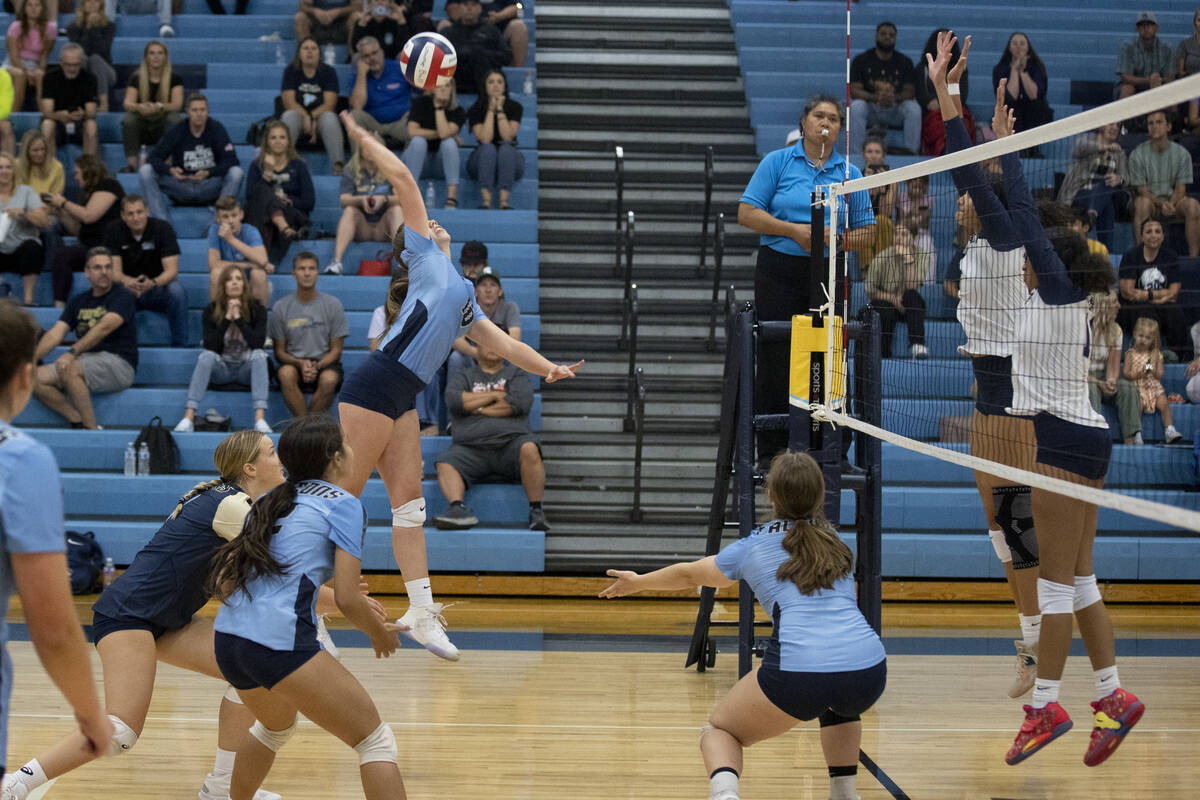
(1146, 62)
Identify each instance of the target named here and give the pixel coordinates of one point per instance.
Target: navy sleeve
(166, 148)
(993, 216)
(290, 80)
(254, 178)
(1054, 285)
(223, 148)
(327, 77)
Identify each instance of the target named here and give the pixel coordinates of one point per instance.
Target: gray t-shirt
(20, 230)
(506, 314)
(478, 430)
(308, 329)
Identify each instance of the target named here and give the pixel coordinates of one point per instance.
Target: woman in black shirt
(496, 163)
(101, 194)
(309, 95)
(153, 99)
(433, 125)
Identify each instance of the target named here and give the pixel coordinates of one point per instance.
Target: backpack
(164, 453)
(85, 562)
(212, 421)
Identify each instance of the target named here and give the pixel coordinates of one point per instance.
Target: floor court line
(884, 779)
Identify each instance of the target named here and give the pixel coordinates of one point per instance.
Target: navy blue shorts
(808, 695)
(993, 385)
(249, 665)
(103, 625)
(382, 385)
(1079, 449)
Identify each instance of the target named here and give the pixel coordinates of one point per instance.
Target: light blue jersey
(31, 521)
(279, 611)
(439, 308)
(821, 632)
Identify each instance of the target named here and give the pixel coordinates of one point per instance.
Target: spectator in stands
(1027, 82)
(479, 44)
(309, 95)
(1193, 369)
(433, 125)
(1159, 172)
(279, 191)
(1187, 55)
(882, 91)
(153, 100)
(370, 208)
(145, 257)
(382, 319)
(1098, 179)
(1144, 369)
(505, 15)
(235, 330)
(1105, 383)
(69, 101)
(915, 205)
(893, 284)
(883, 201)
(308, 328)
(93, 31)
(499, 309)
(36, 168)
(381, 96)
(30, 39)
(492, 440)
(473, 258)
(384, 21)
(21, 248)
(495, 119)
(327, 21)
(8, 139)
(232, 243)
(1082, 224)
(1149, 277)
(933, 133)
(194, 163)
(86, 221)
(104, 355)
(1145, 62)
(162, 7)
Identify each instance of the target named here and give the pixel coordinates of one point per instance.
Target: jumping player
(376, 405)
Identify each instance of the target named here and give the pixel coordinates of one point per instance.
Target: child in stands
(1144, 368)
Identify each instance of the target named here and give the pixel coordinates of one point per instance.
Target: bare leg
(450, 482)
(254, 759)
(1164, 408)
(533, 472)
(28, 282)
(1095, 628)
(289, 386)
(400, 468)
(517, 35)
(841, 744)
(46, 389)
(322, 398)
(345, 232)
(742, 718)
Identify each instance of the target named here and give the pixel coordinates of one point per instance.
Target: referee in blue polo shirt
(777, 203)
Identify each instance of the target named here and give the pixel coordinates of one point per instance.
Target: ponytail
(817, 557)
(249, 555)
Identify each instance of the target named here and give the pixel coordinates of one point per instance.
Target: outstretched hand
(624, 584)
(1003, 118)
(558, 372)
(937, 66)
(356, 132)
(960, 66)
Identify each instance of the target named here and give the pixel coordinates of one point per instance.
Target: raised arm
(485, 332)
(404, 185)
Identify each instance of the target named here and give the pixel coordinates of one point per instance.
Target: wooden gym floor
(581, 699)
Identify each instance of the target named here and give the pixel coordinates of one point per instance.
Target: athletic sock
(723, 779)
(420, 593)
(842, 782)
(535, 503)
(1031, 628)
(1045, 691)
(1106, 680)
(222, 772)
(32, 774)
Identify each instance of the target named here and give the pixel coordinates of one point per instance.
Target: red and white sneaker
(1040, 728)
(1114, 716)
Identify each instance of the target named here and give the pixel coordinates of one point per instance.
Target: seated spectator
(882, 91)
(1082, 224)
(386, 22)
(382, 319)
(915, 205)
(381, 95)
(327, 21)
(93, 31)
(36, 168)
(1025, 90)
(145, 258)
(492, 440)
(194, 163)
(309, 95)
(279, 191)
(1098, 179)
(162, 7)
(479, 44)
(104, 355)
(495, 120)
(370, 208)
(504, 15)
(1187, 54)
(1145, 62)
(308, 328)
(473, 258)
(933, 131)
(1159, 173)
(883, 201)
(892, 287)
(21, 248)
(496, 308)
(86, 221)
(7, 137)
(1149, 282)
(1105, 383)
(230, 243)
(30, 39)
(1144, 369)
(69, 101)
(433, 125)
(235, 330)
(153, 100)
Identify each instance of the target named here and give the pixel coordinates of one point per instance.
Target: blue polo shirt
(782, 186)
(388, 96)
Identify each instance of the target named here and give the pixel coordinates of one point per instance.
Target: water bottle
(130, 461)
(143, 156)
(528, 87)
(109, 572)
(520, 11)
(430, 195)
(330, 56)
(143, 461)
(280, 58)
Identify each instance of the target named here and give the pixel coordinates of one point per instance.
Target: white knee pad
(1055, 598)
(272, 740)
(232, 696)
(123, 738)
(380, 745)
(409, 515)
(1087, 593)
(1000, 546)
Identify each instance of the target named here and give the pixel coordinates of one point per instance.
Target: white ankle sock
(420, 593)
(1045, 691)
(1106, 681)
(222, 772)
(1031, 628)
(842, 787)
(723, 781)
(32, 774)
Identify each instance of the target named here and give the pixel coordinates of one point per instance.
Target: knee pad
(829, 718)
(379, 746)
(1014, 516)
(123, 738)
(409, 515)
(1055, 598)
(1087, 593)
(1000, 546)
(232, 696)
(272, 740)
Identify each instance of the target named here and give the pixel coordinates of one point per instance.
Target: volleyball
(428, 60)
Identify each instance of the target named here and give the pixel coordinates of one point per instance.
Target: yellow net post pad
(810, 349)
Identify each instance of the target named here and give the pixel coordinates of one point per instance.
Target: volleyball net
(950, 289)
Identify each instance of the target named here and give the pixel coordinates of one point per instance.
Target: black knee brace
(829, 718)
(1014, 516)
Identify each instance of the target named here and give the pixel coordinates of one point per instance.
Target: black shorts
(62, 138)
(993, 384)
(249, 665)
(382, 385)
(477, 464)
(103, 625)
(1079, 449)
(808, 695)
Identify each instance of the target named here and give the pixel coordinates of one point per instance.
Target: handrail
(631, 318)
(627, 240)
(718, 261)
(708, 190)
(635, 513)
(620, 170)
